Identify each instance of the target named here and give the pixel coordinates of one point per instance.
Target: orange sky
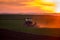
(21, 6)
(19, 9)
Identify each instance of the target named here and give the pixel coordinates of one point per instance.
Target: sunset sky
(29, 6)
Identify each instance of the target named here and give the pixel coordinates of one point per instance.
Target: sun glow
(46, 5)
(51, 6)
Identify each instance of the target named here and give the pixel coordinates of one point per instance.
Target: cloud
(13, 3)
